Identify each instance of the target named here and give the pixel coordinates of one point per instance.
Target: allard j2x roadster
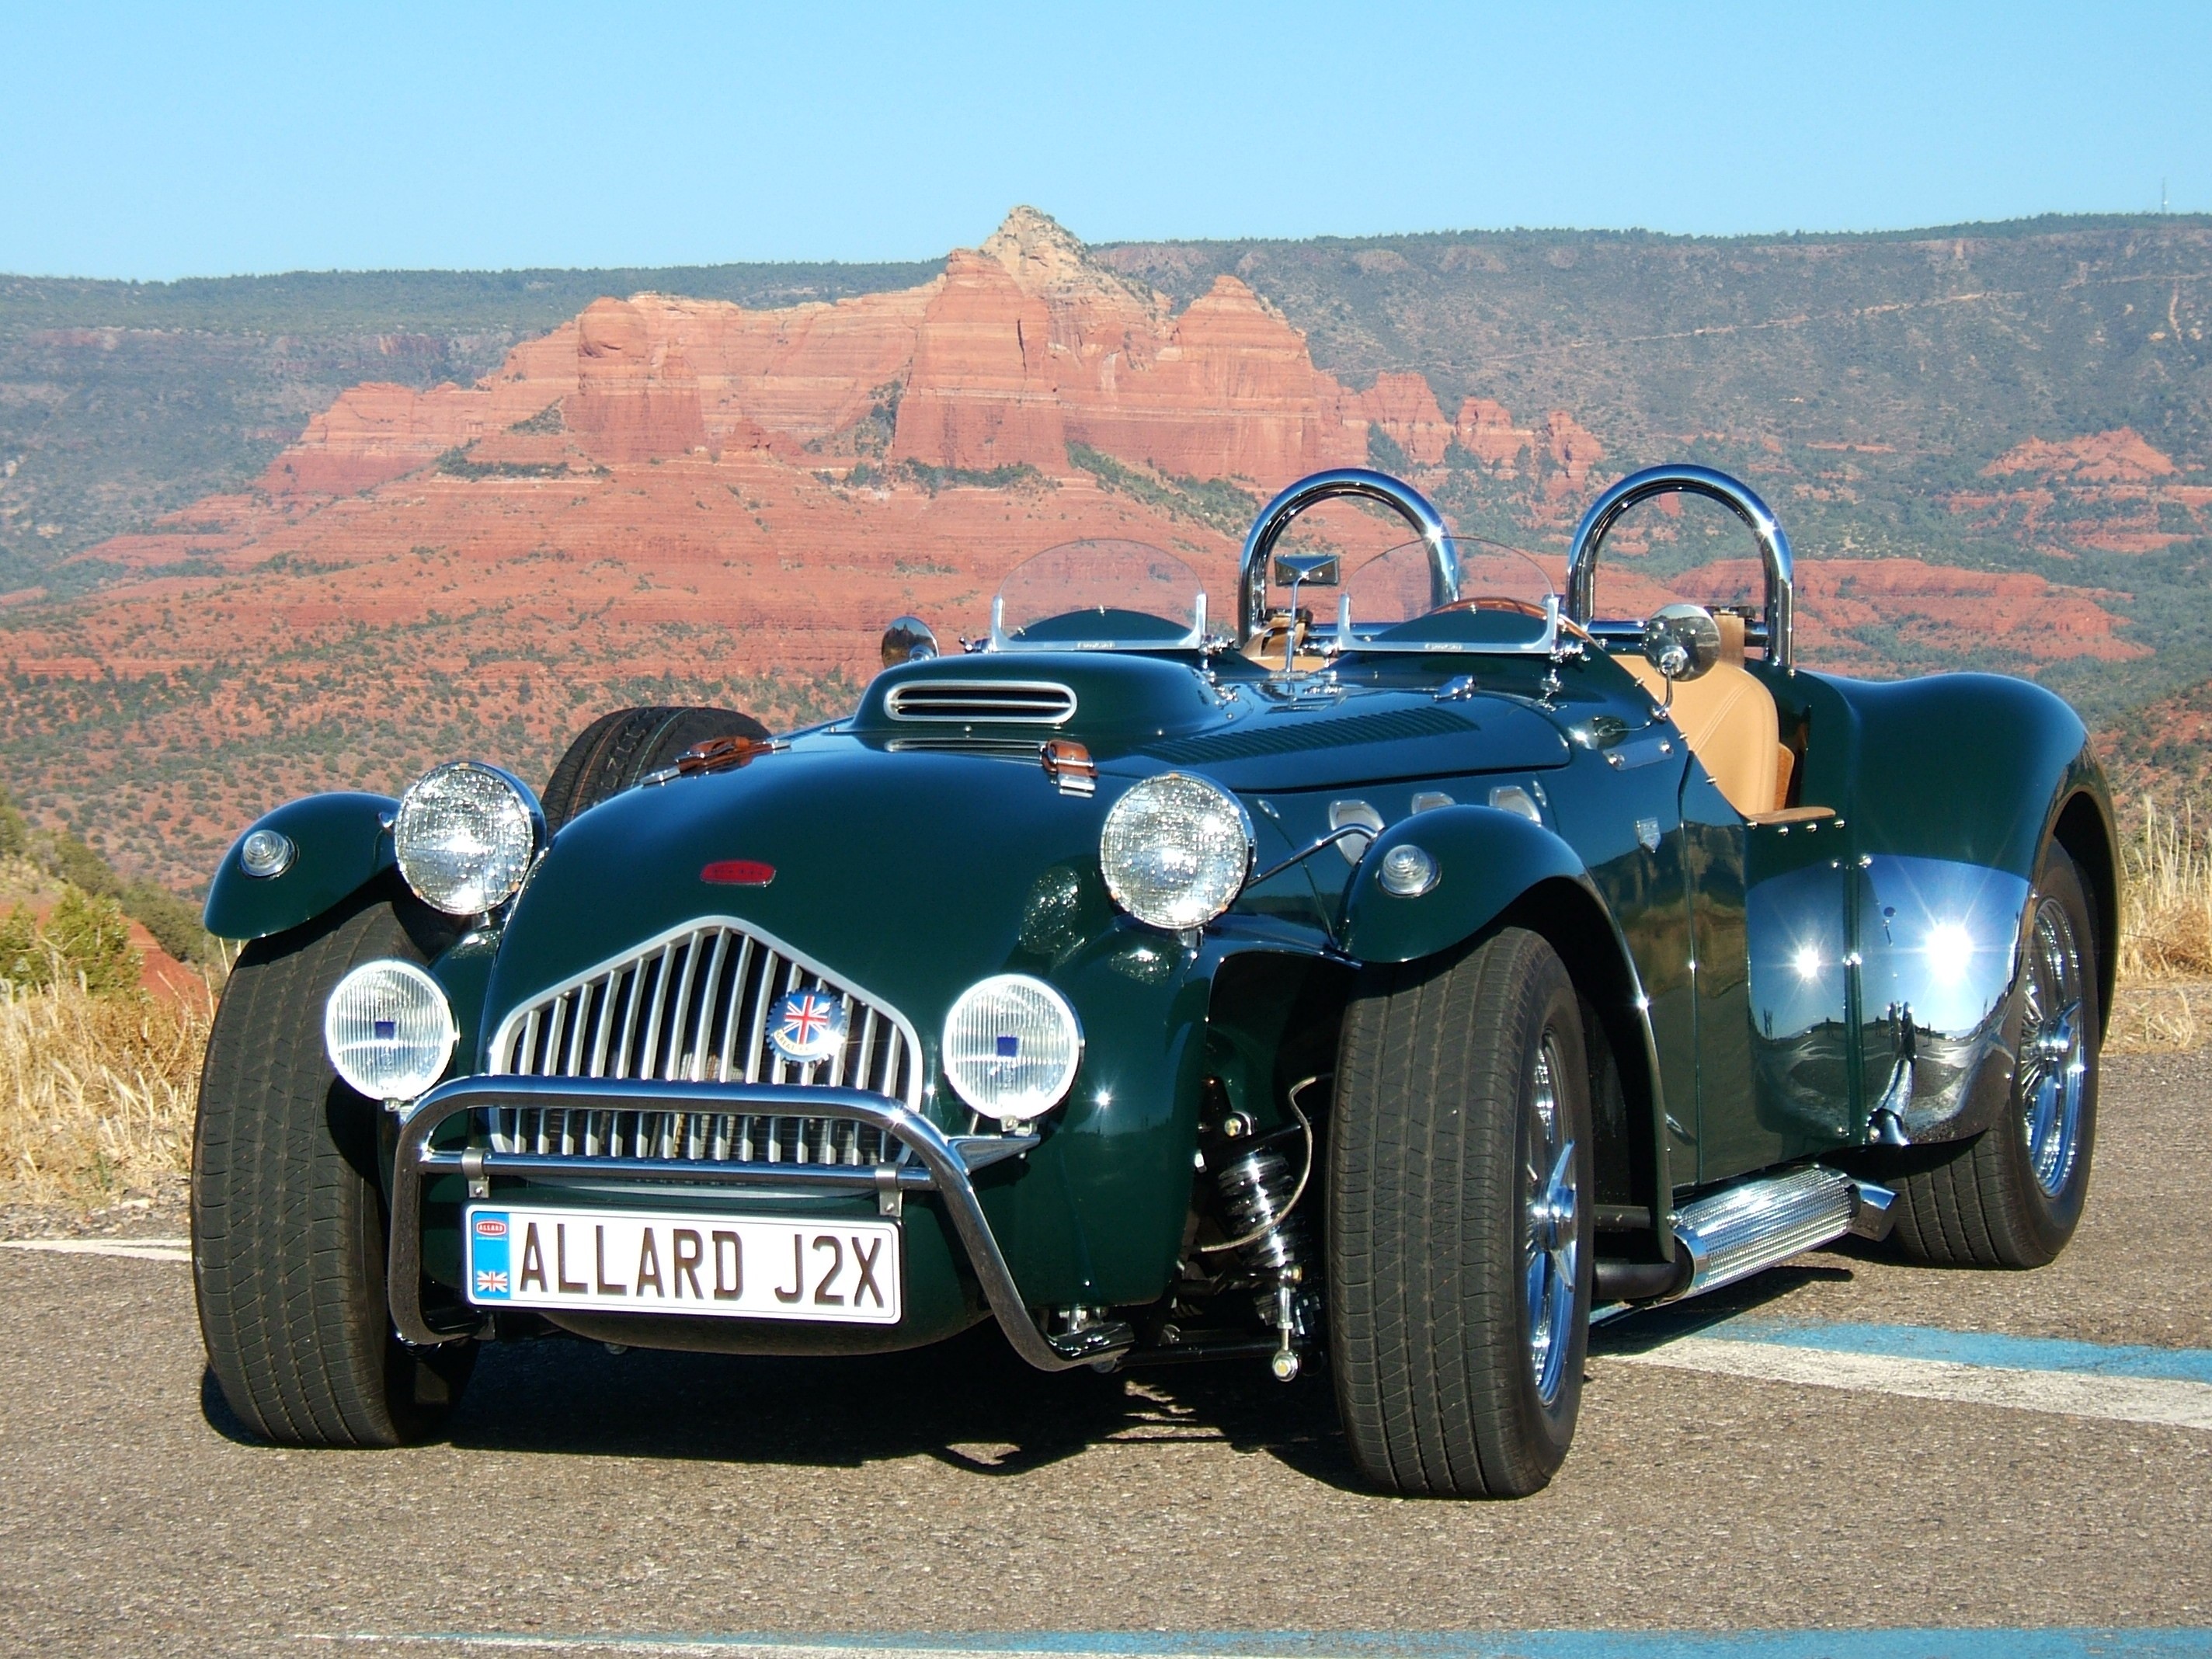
(1393, 984)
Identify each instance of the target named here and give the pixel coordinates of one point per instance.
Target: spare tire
(616, 750)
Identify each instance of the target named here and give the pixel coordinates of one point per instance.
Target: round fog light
(1407, 871)
(388, 1031)
(1011, 1047)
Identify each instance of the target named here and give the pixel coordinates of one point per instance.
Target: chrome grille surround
(691, 1006)
(982, 702)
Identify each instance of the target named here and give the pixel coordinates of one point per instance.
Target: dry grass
(2167, 928)
(2165, 999)
(96, 1093)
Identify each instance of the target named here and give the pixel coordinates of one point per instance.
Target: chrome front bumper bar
(945, 1165)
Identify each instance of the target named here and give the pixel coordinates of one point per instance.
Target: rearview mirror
(1307, 569)
(908, 640)
(1682, 641)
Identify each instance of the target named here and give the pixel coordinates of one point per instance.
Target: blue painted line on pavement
(1909, 1642)
(2022, 1353)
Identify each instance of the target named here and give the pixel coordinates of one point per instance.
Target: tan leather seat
(1729, 719)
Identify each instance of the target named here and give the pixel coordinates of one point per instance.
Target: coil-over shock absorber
(1259, 1192)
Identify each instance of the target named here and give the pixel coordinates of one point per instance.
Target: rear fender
(341, 842)
(1955, 784)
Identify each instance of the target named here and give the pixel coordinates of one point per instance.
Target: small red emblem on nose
(738, 873)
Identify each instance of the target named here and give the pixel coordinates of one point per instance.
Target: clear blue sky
(158, 141)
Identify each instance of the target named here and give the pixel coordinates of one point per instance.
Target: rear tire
(2012, 1196)
(288, 1216)
(616, 750)
(1461, 1123)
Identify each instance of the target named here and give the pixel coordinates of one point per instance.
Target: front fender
(1485, 859)
(343, 841)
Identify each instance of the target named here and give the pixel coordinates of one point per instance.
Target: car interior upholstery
(1729, 721)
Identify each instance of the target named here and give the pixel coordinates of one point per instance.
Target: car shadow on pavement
(1637, 1333)
(971, 1403)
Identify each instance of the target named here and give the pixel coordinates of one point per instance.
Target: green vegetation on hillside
(866, 474)
(1215, 502)
(175, 923)
(456, 463)
(84, 939)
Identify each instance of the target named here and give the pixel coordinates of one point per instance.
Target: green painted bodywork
(344, 844)
(913, 859)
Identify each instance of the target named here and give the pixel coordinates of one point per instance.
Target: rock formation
(2108, 491)
(1021, 348)
(1487, 432)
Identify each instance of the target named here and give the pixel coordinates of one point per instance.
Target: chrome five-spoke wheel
(1552, 1233)
(2053, 1063)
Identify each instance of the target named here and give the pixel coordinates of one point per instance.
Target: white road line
(2071, 1393)
(138, 1249)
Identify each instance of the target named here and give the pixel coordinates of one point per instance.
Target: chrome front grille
(696, 1137)
(1023, 703)
(692, 1006)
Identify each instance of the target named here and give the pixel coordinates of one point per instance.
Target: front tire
(1459, 1229)
(2012, 1196)
(288, 1216)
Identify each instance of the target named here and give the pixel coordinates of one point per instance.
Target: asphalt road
(585, 1493)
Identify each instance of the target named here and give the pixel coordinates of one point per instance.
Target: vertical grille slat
(731, 1020)
(692, 1006)
(708, 997)
(649, 1037)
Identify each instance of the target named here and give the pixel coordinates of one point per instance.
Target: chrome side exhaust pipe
(1747, 1229)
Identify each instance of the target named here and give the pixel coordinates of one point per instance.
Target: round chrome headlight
(1176, 851)
(1011, 1047)
(388, 1031)
(464, 836)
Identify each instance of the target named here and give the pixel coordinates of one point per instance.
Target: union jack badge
(490, 1283)
(806, 1026)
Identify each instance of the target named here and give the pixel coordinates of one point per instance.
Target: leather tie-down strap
(1069, 765)
(719, 754)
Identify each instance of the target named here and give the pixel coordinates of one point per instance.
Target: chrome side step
(1747, 1229)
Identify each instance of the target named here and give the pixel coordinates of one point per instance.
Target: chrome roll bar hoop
(1680, 477)
(1275, 519)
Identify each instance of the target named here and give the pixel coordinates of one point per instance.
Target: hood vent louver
(982, 702)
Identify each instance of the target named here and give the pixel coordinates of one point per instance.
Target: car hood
(910, 857)
(1245, 730)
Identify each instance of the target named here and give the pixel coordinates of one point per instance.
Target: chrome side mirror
(908, 640)
(1307, 569)
(1682, 641)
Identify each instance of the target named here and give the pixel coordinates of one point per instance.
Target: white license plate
(648, 1262)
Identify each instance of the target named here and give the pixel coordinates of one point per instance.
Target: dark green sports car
(1395, 979)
